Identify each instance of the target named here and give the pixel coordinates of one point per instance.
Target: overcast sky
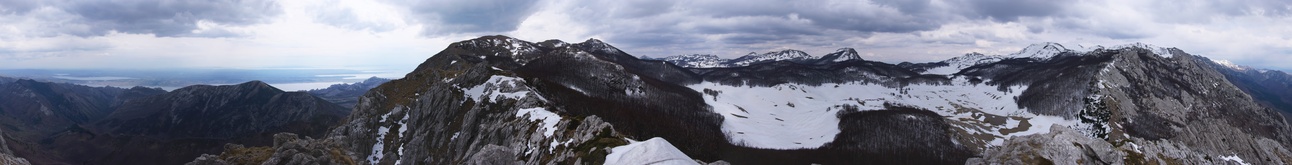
(398, 34)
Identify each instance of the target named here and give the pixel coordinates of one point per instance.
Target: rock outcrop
(6, 155)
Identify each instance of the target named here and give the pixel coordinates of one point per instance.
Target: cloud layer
(1250, 32)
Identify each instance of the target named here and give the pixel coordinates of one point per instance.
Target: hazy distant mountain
(790, 55)
(54, 123)
(33, 111)
(1269, 87)
(346, 95)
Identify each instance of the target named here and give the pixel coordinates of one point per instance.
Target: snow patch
(1229, 64)
(378, 149)
(1234, 158)
(655, 151)
(1041, 51)
(547, 118)
(1160, 51)
(496, 83)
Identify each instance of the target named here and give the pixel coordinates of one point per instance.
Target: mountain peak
(1231, 65)
(594, 41)
(553, 43)
(1042, 51)
(257, 83)
(782, 55)
(593, 45)
(842, 54)
(1160, 51)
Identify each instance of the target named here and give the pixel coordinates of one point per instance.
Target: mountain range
(57, 123)
(346, 95)
(713, 61)
(501, 100)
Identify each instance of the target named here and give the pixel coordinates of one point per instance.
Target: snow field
(791, 116)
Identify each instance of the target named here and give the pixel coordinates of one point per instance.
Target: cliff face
(6, 155)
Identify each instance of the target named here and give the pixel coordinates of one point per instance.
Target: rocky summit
(501, 100)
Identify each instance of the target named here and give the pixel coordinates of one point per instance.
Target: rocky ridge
(790, 55)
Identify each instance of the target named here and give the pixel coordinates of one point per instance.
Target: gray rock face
(454, 110)
(1150, 108)
(6, 155)
(1185, 101)
(1061, 146)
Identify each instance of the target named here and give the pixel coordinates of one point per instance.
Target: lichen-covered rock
(1060, 146)
(287, 149)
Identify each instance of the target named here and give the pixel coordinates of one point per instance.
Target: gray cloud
(160, 18)
(468, 16)
(1011, 10)
(17, 6)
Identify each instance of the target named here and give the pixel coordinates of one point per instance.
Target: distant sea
(286, 79)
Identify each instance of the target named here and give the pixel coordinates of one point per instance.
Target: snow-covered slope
(697, 61)
(1160, 51)
(783, 55)
(654, 151)
(841, 55)
(791, 116)
(1040, 51)
(959, 63)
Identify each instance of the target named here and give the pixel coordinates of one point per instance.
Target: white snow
(1042, 51)
(1229, 64)
(788, 54)
(946, 70)
(1136, 147)
(960, 63)
(547, 118)
(763, 116)
(654, 151)
(1160, 51)
(1234, 158)
(551, 147)
(494, 83)
(846, 54)
(378, 149)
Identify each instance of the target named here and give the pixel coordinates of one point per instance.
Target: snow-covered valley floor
(790, 116)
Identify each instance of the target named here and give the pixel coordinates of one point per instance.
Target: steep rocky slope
(1271, 88)
(31, 111)
(499, 100)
